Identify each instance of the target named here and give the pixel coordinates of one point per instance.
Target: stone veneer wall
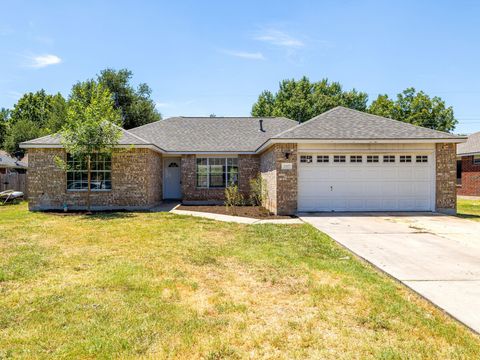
(446, 170)
(248, 168)
(470, 178)
(136, 182)
(281, 183)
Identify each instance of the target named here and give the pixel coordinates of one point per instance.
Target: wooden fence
(13, 181)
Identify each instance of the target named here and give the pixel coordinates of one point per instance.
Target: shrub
(233, 197)
(258, 190)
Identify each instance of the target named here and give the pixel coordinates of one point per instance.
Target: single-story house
(9, 163)
(468, 166)
(341, 160)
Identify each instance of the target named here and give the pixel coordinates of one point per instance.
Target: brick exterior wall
(248, 168)
(281, 183)
(446, 170)
(136, 182)
(470, 178)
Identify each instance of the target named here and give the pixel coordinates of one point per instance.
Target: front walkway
(438, 256)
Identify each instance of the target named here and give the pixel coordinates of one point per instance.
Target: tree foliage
(92, 125)
(136, 106)
(416, 108)
(4, 118)
(301, 100)
(34, 115)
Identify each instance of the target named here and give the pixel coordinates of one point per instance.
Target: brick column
(446, 176)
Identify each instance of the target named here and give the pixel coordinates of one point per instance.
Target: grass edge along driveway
(143, 285)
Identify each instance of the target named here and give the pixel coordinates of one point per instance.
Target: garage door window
(476, 160)
(405, 158)
(422, 158)
(388, 158)
(372, 158)
(323, 158)
(356, 158)
(339, 158)
(306, 159)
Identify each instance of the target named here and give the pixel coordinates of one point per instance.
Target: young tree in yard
(301, 99)
(92, 125)
(416, 108)
(136, 106)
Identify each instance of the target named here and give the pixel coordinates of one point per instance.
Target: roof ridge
(305, 122)
(132, 134)
(400, 121)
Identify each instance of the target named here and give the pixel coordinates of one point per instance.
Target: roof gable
(341, 123)
(471, 147)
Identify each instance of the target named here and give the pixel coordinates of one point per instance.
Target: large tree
(92, 126)
(416, 108)
(4, 117)
(136, 106)
(301, 99)
(34, 115)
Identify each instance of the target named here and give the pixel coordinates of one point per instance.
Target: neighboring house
(468, 166)
(10, 164)
(341, 160)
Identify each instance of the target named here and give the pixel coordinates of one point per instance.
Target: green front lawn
(155, 285)
(468, 209)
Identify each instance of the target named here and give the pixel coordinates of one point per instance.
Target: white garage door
(365, 182)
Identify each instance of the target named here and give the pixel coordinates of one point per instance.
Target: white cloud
(246, 55)
(279, 38)
(41, 61)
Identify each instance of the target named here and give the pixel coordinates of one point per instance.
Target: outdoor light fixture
(287, 155)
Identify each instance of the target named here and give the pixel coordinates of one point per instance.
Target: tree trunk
(89, 177)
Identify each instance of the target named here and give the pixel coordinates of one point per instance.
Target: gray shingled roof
(126, 139)
(341, 123)
(10, 162)
(210, 134)
(472, 146)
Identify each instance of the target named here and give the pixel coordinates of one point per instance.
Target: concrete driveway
(438, 256)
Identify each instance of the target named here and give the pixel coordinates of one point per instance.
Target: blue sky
(203, 57)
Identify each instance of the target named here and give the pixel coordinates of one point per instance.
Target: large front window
(101, 173)
(217, 172)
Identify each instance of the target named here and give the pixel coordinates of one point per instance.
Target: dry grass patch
(151, 285)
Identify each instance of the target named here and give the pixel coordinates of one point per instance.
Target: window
(306, 159)
(421, 158)
(476, 160)
(372, 158)
(101, 173)
(356, 158)
(388, 158)
(339, 158)
(217, 172)
(405, 158)
(323, 158)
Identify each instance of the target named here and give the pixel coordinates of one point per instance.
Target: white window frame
(340, 159)
(308, 159)
(389, 157)
(323, 159)
(373, 159)
(92, 172)
(356, 159)
(405, 158)
(208, 158)
(421, 159)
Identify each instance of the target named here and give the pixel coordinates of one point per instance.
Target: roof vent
(261, 125)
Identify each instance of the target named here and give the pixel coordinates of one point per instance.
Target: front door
(172, 188)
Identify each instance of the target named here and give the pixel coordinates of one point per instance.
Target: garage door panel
(365, 186)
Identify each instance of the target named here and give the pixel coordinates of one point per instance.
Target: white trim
(469, 154)
(57, 146)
